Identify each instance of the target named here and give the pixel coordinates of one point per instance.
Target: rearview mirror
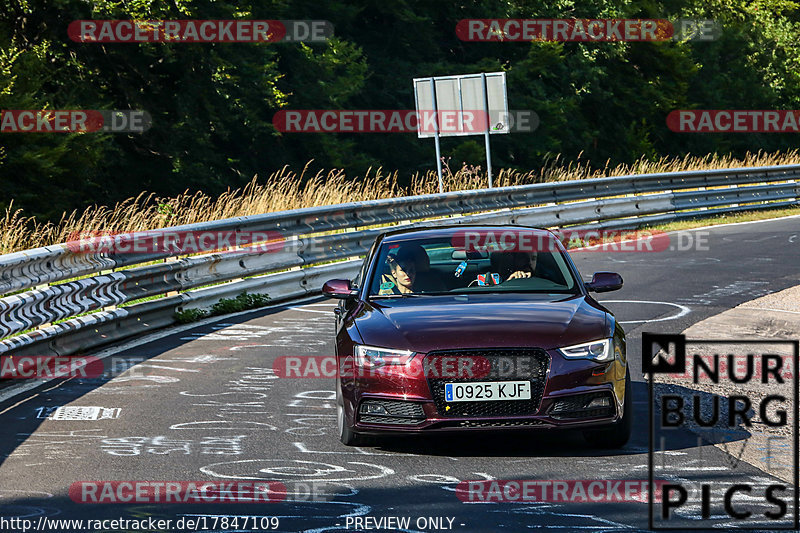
(604, 282)
(459, 255)
(339, 288)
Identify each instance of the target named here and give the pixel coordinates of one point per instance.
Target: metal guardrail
(308, 255)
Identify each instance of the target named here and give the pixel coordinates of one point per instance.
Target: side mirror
(605, 282)
(338, 288)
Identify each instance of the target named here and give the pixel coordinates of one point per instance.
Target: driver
(523, 265)
(514, 265)
(402, 273)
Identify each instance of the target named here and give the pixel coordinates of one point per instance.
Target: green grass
(717, 220)
(745, 216)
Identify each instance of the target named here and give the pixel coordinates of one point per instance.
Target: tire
(346, 433)
(619, 433)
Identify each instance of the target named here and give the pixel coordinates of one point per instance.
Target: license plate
(487, 391)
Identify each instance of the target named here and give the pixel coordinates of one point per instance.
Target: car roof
(409, 234)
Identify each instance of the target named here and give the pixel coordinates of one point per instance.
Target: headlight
(372, 357)
(601, 350)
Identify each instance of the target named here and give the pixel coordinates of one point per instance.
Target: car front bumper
(572, 397)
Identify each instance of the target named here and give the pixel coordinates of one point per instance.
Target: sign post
(488, 126)
(436, 136)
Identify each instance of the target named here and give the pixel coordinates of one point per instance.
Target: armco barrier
(322, 242)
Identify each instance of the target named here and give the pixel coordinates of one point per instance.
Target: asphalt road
(204, 404)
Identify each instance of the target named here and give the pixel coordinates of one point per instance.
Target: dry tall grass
(286, 189)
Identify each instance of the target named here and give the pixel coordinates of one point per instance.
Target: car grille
(528, 364)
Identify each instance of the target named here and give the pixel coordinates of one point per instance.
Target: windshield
(446, 266)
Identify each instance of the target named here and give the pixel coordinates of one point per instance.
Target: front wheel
(619, 433)
(346, 433)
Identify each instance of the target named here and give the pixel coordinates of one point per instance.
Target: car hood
(427, 323)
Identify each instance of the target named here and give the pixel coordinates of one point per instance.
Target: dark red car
(474, 328)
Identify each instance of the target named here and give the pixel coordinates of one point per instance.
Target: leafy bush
(190, 315)
(242, 302)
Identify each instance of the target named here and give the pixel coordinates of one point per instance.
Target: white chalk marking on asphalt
(32, 384)
(684, 310)
(360, 509)
(544, 511)
(703, 468)
(445, 481)
(150, 365)
(260, 395)
(355, 450)
(295, 469)
(196, 359)
(156, 379)
(32, 511)
(224, 425)
(762, 239)
(312, 310)
(435, 479)
(69, 412)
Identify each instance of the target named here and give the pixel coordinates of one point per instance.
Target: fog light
(602, 401)
(590, 405)
(374, 409)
